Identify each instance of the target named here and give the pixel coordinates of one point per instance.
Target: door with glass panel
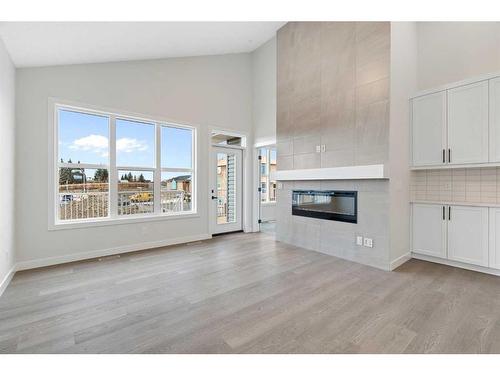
(226, 190)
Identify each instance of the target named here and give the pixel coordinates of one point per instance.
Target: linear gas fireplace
(326, 204)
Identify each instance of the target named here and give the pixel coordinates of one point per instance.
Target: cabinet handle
(449, 213)
(444, 214)
(444, 155)
(449, 155)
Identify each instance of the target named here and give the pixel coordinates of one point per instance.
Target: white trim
(119, 220)
(107, 252)
(399, 261)
(375, 171)
(267, 143)
(453, 166)
(454, 263)
(448, 203)
(135, 169)
(452, 85)
(7, 279)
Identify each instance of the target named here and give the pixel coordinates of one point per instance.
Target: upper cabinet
(459, 125)
(468, 124)
(429, 129)
(494, 120)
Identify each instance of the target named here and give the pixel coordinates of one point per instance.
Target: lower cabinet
(429, 230)
(494, 258)
(458, 233)
(468, 235)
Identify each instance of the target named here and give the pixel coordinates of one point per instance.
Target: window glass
(83, 193)
(83, 138)
(135, 192)
(135, 143)
(176, 147)
(84, 167)
(176, 192)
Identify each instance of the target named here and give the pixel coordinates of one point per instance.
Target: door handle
(444, 213)
(449, 155)
(449, 213)
(214, 197)
(444, 155)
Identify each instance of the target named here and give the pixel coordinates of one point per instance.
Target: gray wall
(333, 89)
(7, 187)
(335, 237)
(204, 91)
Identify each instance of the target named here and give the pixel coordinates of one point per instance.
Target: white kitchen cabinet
(494, 236)
(468, 234)
(429, 129)
(429, 229)
(468, 124)
(494, 126)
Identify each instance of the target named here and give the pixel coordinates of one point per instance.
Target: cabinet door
(429, 129)
(468, 235)
(468, 123)
(494, 98)
(494, 236)
(429, 229)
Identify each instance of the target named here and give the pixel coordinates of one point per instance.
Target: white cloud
(130, 145)
(93, 142)
(99, 144)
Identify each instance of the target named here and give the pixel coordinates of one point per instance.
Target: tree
(101, 175)
(141, 178)
(130, 177)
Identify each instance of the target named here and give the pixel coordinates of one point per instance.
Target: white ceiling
(58, 43)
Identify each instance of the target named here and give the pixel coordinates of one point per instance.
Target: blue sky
(84, 138)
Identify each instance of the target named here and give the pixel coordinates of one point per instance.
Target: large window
(267, 158)
(111, 166)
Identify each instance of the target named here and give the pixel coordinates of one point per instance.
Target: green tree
(141, 178)
(130, 177)
(101, 175)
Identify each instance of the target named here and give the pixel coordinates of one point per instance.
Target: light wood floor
(246, 293)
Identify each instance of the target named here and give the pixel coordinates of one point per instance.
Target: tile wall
(466, 185)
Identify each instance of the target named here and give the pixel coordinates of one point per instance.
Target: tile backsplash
(468, 185)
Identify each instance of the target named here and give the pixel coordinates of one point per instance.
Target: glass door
(226, 190)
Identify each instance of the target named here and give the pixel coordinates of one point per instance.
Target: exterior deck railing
(86, 205)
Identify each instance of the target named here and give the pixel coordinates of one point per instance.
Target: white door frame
(216, 228)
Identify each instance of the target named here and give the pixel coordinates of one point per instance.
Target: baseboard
(399, 261)
(453, 263)
(37, 263)
(6, 280)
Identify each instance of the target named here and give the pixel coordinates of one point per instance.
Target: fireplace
(335, 205)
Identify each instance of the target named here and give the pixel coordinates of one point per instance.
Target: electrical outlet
(368, 242)
(359, 240)
(318, 148)
(280, 185)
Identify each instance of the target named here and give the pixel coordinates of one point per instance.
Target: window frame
(267, 194)
(113, 218)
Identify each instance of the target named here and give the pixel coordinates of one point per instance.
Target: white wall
(206, 91)
(403, 84)
(264, 92)
(452, 51)
(7, 188)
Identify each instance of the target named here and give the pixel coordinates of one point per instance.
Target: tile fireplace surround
(334, 237)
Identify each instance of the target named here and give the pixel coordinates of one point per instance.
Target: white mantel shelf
(357, 172)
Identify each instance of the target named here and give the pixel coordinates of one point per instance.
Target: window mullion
(157, 171)
(113, 172)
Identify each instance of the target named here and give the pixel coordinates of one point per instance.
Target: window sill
(74, 224)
